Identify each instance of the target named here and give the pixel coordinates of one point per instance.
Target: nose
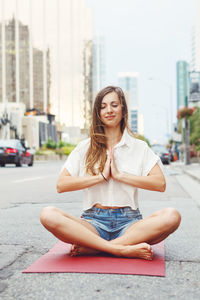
(109, 108)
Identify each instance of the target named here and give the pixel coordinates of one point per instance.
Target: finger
(111, 152)
(108, 159)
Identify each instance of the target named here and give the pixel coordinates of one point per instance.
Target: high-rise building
(88, 83)
(194, 75)
(182, 75)
(10, 68)
(71, 48)
(128, 81)
(98, 63)
(195, 62)
(65, 28)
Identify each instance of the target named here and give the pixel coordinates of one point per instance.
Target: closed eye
(112, 104)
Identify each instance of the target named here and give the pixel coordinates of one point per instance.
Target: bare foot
(142, 250)
(80, 250)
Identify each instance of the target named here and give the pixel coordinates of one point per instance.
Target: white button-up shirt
(131, 155)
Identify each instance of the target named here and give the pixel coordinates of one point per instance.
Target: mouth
(110, 117)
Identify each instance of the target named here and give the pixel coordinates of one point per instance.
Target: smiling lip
(110, 117)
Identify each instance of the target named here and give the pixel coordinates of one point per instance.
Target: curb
(192, 175)
(188, 172)
(49, 158)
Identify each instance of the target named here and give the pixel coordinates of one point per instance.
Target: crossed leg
(134, 243)
(151, 230)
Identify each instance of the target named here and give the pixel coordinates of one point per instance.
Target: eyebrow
(115, 101)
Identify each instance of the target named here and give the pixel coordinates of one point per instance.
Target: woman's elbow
(162, 186)
(59, 188)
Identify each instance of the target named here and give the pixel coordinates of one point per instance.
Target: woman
(110, 166)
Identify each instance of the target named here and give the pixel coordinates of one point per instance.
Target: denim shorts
(111, 223)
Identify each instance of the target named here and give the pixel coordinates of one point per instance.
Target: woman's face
(111, 110)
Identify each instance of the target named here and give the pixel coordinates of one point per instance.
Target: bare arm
(67, 183)
(154, 181)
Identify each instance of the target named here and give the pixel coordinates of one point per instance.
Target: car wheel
(31, 163)
(19, 163)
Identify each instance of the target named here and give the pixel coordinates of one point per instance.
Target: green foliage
(51, 144)
(195, 128)
(66, 150)
(197, 148)
(51, 147)
(61, 144)
(43, 151)
(141, 137)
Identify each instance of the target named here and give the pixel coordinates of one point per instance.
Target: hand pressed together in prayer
(110, 169)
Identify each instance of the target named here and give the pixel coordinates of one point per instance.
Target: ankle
(117, 249)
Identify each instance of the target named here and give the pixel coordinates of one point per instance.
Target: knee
(48, 216)
(172, 218)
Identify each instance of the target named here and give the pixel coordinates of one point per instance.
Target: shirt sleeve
(150, 159)
(72, 163)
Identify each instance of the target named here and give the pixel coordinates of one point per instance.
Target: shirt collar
(125, 140)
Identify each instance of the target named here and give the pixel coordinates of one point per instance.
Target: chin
(110, 125)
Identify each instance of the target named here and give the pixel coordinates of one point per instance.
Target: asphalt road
(25, 191)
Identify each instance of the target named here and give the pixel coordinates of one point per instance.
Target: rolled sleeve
(150, 159)
(72, 164)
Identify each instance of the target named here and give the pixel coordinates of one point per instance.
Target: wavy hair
(96, 154)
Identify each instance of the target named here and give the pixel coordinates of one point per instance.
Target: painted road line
(28, 179)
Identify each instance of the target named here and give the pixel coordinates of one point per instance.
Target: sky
(148, 37)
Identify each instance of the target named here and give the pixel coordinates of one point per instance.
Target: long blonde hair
(96, 153)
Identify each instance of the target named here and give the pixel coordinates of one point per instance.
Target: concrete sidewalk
(192, 170)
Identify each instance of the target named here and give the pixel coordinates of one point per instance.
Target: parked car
(171, 154)
(162, 152)
(13, 152)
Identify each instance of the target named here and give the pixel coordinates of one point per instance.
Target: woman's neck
(113, 135)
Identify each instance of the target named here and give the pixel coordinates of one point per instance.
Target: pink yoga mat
(58, 260)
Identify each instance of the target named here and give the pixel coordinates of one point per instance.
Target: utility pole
(187, 141)
(186, 136)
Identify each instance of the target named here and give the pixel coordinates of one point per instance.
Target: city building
(71, 63)
(10, 68)
(128, 81)
(182, 75)
(195, 49)
(194, 74)
(38, 86)
(98, 63)
(88, 84)
(56, 50)
(14, 123)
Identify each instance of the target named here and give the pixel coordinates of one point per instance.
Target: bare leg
(152, 229)
(69, 230)
(78, 250)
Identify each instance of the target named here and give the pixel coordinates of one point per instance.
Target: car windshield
(8, 143)
(159, 148)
